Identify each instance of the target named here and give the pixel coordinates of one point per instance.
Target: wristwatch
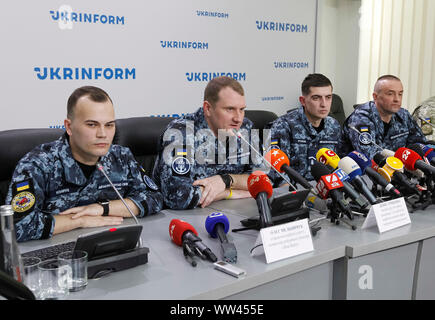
(105, 205)
(228, 180)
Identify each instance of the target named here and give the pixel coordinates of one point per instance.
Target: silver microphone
(100, 167)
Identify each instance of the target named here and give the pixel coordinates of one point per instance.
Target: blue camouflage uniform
(48, 180)
(297, 138)
(193, 153)
(403, 130)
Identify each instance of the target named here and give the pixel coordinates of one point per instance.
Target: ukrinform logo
(66, 17)
(281, 26)
(66, 73)
(207, 76)
(184, 44)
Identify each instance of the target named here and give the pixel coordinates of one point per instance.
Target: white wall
(398, 37)
(337, 47)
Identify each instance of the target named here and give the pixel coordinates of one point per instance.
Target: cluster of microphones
(348, 186)
(184, 235)
(351, 183)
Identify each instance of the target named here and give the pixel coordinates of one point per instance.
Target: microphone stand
(337, 216)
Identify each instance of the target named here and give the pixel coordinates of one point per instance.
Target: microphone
(354, 171)
(182, 233)
(280, 162)
(365, 164)
(413, 161)
(328, 185)
(240, 136)
(328, 157)
(347, 187)
(260, 188)
(387, 153)
(100, 167)
(392, 167)
(217, 225)
(429, 153)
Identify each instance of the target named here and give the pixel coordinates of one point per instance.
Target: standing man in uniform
(382, 121)
(196, 166)
(301, 132)
(57, 187)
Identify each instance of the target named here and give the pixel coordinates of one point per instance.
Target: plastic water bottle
(12, 257)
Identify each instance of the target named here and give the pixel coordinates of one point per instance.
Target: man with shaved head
(382, 122)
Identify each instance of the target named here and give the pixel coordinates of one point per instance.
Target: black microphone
(328, 186)
(398, 177)
(100, 167)
(347, 187)
(260, 188)
(181, 232)
(217, 225)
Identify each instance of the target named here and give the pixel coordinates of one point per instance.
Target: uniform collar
(306, 123)
(72, 171)
(396, 117)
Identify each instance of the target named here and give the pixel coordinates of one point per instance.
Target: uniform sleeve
(26, 195)
(175, 176)
(415, 133)
(360, 132)
(143, 191)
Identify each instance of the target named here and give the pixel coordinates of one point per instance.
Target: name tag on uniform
(116, 184)
(301, 141)
(328, 142)
(399, 135)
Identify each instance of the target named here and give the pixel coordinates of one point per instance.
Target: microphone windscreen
(213, 219)
(361, 159)
(387, 153)
(349, 166)
(277, 158)
(428, 152)
(258, 182)
(408, 157)
(318, 170)
(327, 156)
(177, 228)
(417, 148)
(379, 158)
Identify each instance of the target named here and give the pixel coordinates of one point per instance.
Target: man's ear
(67, 124)
(302, 100)
(206, 107)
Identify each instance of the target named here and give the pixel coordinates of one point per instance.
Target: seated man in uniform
(56, 187)
(301, 132)
(193, 168)
(382, 123)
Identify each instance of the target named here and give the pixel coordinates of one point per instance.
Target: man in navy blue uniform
(301, 132)
(382, 123)
(196, 166)
(56, 187)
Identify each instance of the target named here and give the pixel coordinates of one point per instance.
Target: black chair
(337, 110)
(260, 118)
(141, 135)
(14, 144)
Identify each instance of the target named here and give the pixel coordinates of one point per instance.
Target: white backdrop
(154, 58)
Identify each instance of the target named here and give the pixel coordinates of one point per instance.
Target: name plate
(388, 215)
(286, 240)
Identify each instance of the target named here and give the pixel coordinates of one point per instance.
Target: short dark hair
(314, 80)
(94, 93)
(211, 92)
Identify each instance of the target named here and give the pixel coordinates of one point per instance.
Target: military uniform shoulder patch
(180, 166)
(150, 183)
(23, 199)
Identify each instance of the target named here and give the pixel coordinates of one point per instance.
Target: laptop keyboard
(50, 252)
